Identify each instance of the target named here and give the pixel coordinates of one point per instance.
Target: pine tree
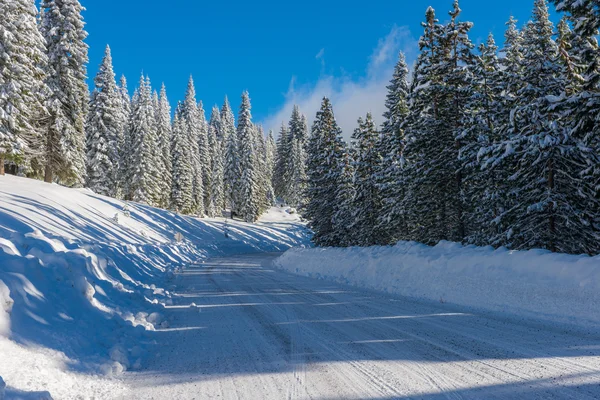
(103, 131)
(205, 156)
(124, 146)
(433, 200)
(367, 200)
(485, 187)
(579, 106)
(280, 173)
(144, 165)
(270, 157)
(192, 124)
(344, 233)
(232, 171)
(63, 28)
(163, 132)
(182, 185)
(550, 208)
(390, 145)
(325, 155)
(22, 88)
(217, 190)
(249, 206)
(295, 160)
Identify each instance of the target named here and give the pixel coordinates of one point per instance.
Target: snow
(535, 283)
(94, 309)
(81, 294)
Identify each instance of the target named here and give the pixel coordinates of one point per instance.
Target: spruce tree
(485, 187)
(205, 156)
(367, 199)
(22, 88)
(344, 230)
(217, 190)
(182, 185)
(104, 131)
(388, 171)
(433, 200)
(324, 167)
(232, 171)
(63, 28)
(295, 160)
(193, 127)
(550, 208)
(280, 173)
(144, 165)
(249, 202)
(124, 146)
(164, 132)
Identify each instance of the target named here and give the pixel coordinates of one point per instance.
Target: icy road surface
(258, 333)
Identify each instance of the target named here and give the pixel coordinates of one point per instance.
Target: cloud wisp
(351, 98)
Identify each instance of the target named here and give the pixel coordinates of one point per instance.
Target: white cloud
(320, 54)
(351, 98)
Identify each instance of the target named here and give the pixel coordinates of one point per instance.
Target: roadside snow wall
(557, 287)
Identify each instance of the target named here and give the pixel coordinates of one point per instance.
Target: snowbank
(87, 276)
(558, 287)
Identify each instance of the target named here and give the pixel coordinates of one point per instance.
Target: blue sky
(282, 52)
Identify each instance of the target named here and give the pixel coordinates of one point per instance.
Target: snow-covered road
(259, 333)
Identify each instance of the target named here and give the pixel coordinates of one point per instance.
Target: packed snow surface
(534, 283)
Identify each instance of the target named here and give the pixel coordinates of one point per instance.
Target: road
(259, 333)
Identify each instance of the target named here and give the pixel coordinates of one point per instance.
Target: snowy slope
(535, 283)
(83, 278)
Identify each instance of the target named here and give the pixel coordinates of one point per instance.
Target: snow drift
(557, 287)
(83, 277)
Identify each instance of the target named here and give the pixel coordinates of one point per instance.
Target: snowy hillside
(534, 283)
(83, 278)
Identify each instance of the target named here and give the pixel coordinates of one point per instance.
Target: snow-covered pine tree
(389, 169)
(367, 200)
(63, 28)
(264, 184)
(249, 205)
(457, 75)
(280, 172)
(270, 157)
(325, 155)
(344, 233)
(580, 104)
(551, 208)
(103, 131)
(164, 132)
(192, 124)
(433, 201)
(204, 153)
(484, 188)
(182, 185)
(124, 146)
(232, 171)
(217, 190)
(22, 88)
(295, 162)
(144, 165)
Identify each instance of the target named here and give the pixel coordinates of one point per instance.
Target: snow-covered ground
(93, 306)
(84, 280)
(536, 283)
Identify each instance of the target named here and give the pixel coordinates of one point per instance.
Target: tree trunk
(48, 175)
(552, 218)
(1, 164)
